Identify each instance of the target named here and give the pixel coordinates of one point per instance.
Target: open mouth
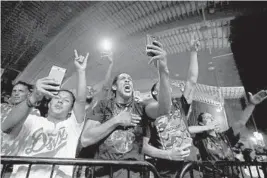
(127, 88)
(58, 107)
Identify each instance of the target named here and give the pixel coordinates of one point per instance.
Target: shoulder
(102, 104)
(34, 120)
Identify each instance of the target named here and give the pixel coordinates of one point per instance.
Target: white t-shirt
(8, 147)
(42, 138)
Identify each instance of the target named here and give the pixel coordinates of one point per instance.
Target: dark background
(249, 46)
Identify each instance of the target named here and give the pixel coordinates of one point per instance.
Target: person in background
(117, 125)
(169, 140)
(55, 136)
(101, 92)
(214, 145)
(20, 92)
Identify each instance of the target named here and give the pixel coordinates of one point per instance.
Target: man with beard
(117, 125)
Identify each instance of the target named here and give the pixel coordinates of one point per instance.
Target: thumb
(250, 95)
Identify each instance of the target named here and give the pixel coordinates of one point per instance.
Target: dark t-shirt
(122, 143)
(216, 148)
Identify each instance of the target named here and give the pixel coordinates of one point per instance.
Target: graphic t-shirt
(171, 131)
(40, 137)
(7, 140)
(124, 143)
(216, 148)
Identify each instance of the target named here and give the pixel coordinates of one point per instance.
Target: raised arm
(79, 105)
(94, 131)
(102, 92)
(163, 105)
(192, 75)
(253, 100)
(20, 112)
(203, 128)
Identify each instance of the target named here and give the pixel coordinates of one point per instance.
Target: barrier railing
(144, 168)
(225, 169)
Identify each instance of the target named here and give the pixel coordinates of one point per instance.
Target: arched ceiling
(37, 35)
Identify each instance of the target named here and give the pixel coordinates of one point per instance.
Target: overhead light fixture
(106, 45)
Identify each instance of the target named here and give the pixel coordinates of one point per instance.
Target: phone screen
(149, 40)
(57, 73)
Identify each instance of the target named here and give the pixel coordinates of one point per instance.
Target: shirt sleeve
(97, 114)
(28, 125)
(73, 124)
(232, 138)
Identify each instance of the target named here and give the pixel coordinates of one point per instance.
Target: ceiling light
(106, 45)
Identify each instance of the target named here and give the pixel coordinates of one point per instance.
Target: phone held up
(149, 41)
(57, 73)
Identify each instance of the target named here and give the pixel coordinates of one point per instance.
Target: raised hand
(80, 61)
(258, 97)
(194, 43)
(108, 55)
(179, 154)
(44, 87)
(160, 59)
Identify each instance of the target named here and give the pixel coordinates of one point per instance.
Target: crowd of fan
(112, 125)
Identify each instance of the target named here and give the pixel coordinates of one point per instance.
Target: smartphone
(57, 73)
(149, 41)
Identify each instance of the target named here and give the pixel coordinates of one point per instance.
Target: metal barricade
(225, 169)
(145, 167)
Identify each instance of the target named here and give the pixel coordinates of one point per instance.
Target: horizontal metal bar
(85, 162)
(229, 163)
(66, 161)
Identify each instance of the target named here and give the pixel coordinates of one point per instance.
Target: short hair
(72, 95)
(29, 86)
(153, 89)
(200, 117)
